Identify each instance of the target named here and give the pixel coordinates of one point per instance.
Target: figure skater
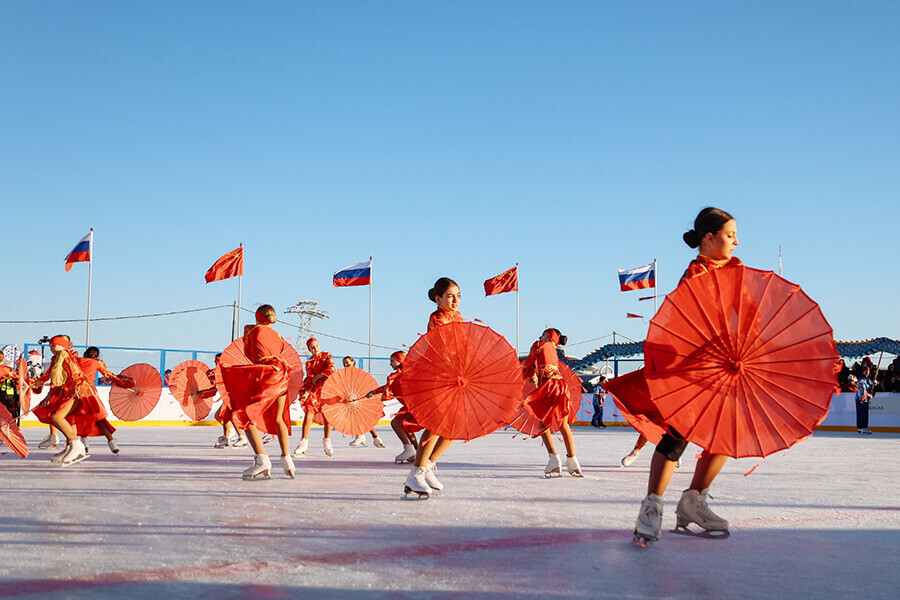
(90, 363)
(318, 368)
(258, 393)
(224, 414)
(715, 234)
(403, 423)
(549, 403)
(422, 479)
(360, 440)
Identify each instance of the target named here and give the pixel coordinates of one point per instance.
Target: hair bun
(562, 340)
(691, 238)
(431, 295)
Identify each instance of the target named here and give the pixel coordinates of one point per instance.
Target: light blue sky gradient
(442, 138)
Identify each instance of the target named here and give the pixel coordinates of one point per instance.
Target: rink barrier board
(884, 413)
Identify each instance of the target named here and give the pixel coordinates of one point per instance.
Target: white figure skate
(51, 441)
(626, 461)
(326, 445)
(377, 442)
(261, 468)
(288, 465)
(223, 442)
(358, 442)
(302, 447)
(113, 446)
(692, 508)
(648, 526)
(416, 484)
(553, 467)
(408, 454)
(573, 466)
(76, 453)
(431, 478)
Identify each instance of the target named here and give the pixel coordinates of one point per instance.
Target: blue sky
(442, 139)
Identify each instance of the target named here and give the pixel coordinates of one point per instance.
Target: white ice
(170, 517)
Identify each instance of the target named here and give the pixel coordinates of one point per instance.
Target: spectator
(863, 395)
(599, 394)
(166, 376)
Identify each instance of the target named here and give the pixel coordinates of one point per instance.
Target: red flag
(508, 281)
(230, 265)
(633, 316)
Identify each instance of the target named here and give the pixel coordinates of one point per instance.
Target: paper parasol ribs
(133, 404)
(185, 383)
(11, 434)
(525, 422)
(344, 401)
(741, 362)
(462, 381)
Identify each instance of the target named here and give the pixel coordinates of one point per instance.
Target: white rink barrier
(884, 412)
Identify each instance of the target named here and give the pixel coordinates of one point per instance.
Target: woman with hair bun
(422, 479)
(715, 235)
(549, 403)
(319, 367)
(258, 393)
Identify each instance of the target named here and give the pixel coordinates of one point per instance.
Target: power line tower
(307, 310)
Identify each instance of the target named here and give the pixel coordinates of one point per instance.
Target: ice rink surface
(170, 517)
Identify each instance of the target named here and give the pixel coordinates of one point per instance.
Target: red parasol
(632, 398)
(23, 386)
(133, 404)
(525, 422)
(462, 381)
(344, 401)
(185, 383)
(741, 362)
(11, 434)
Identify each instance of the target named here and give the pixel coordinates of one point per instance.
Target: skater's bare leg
(255, 440)
(397, 426)
(52, 430)
(640, 443)
(283, 434)
(103, 426)
(426, 447)
(707, 469)
(547, 437)
(439, 448)
(568, 439)
(307, 423)
(327, 427)
(661, 471)
(59, 419)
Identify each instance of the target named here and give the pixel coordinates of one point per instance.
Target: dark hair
(710, 220)
(92, 349)
(218, 354)
(562, 339)
(440, 287)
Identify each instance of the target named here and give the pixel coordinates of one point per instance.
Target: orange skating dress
(321, 363)
(68, 381)
(549, 403)
(253, 389)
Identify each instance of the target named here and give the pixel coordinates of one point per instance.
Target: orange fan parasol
(23, 387)
(185, 383)
(741, 362)
(632, 398)
(133, 404)
(11, 434)
(525, 422)
(462, 381)
(344, 401)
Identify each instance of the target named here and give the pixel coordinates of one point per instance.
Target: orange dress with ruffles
(321, 363)
(631, 388)
(253, 389)
(87, 410)
(549, 403)
(442, 316)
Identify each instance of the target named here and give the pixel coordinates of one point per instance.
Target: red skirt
(549, 404)
(409, 423)
(253, 391)
(87, 412)
(224, 414)
(632, 397)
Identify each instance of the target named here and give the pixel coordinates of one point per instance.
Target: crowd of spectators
(884, 380)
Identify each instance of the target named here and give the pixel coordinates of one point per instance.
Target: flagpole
(87, 335)
(655, 285)
(240, 285)
(517, 309)
(371, 284)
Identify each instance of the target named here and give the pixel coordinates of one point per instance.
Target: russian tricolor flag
(81, 252)
(358, 274)
(637, 279)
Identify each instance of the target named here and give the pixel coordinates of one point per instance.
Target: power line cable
(163, 314)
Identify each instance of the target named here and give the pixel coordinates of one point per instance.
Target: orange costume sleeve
(704, 264)
(442, 317)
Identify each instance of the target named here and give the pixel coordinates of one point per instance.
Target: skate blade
(577, 474)
(552, 473)
(642, 541)
(77, 460)
(258, 477)
(703, 533)
(419, 495)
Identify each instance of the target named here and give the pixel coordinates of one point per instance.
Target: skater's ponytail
(555, 336)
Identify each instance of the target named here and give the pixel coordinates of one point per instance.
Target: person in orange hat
(318, 368)
(549, 403)
(224, 413)
(90, 363)
(258, 393)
